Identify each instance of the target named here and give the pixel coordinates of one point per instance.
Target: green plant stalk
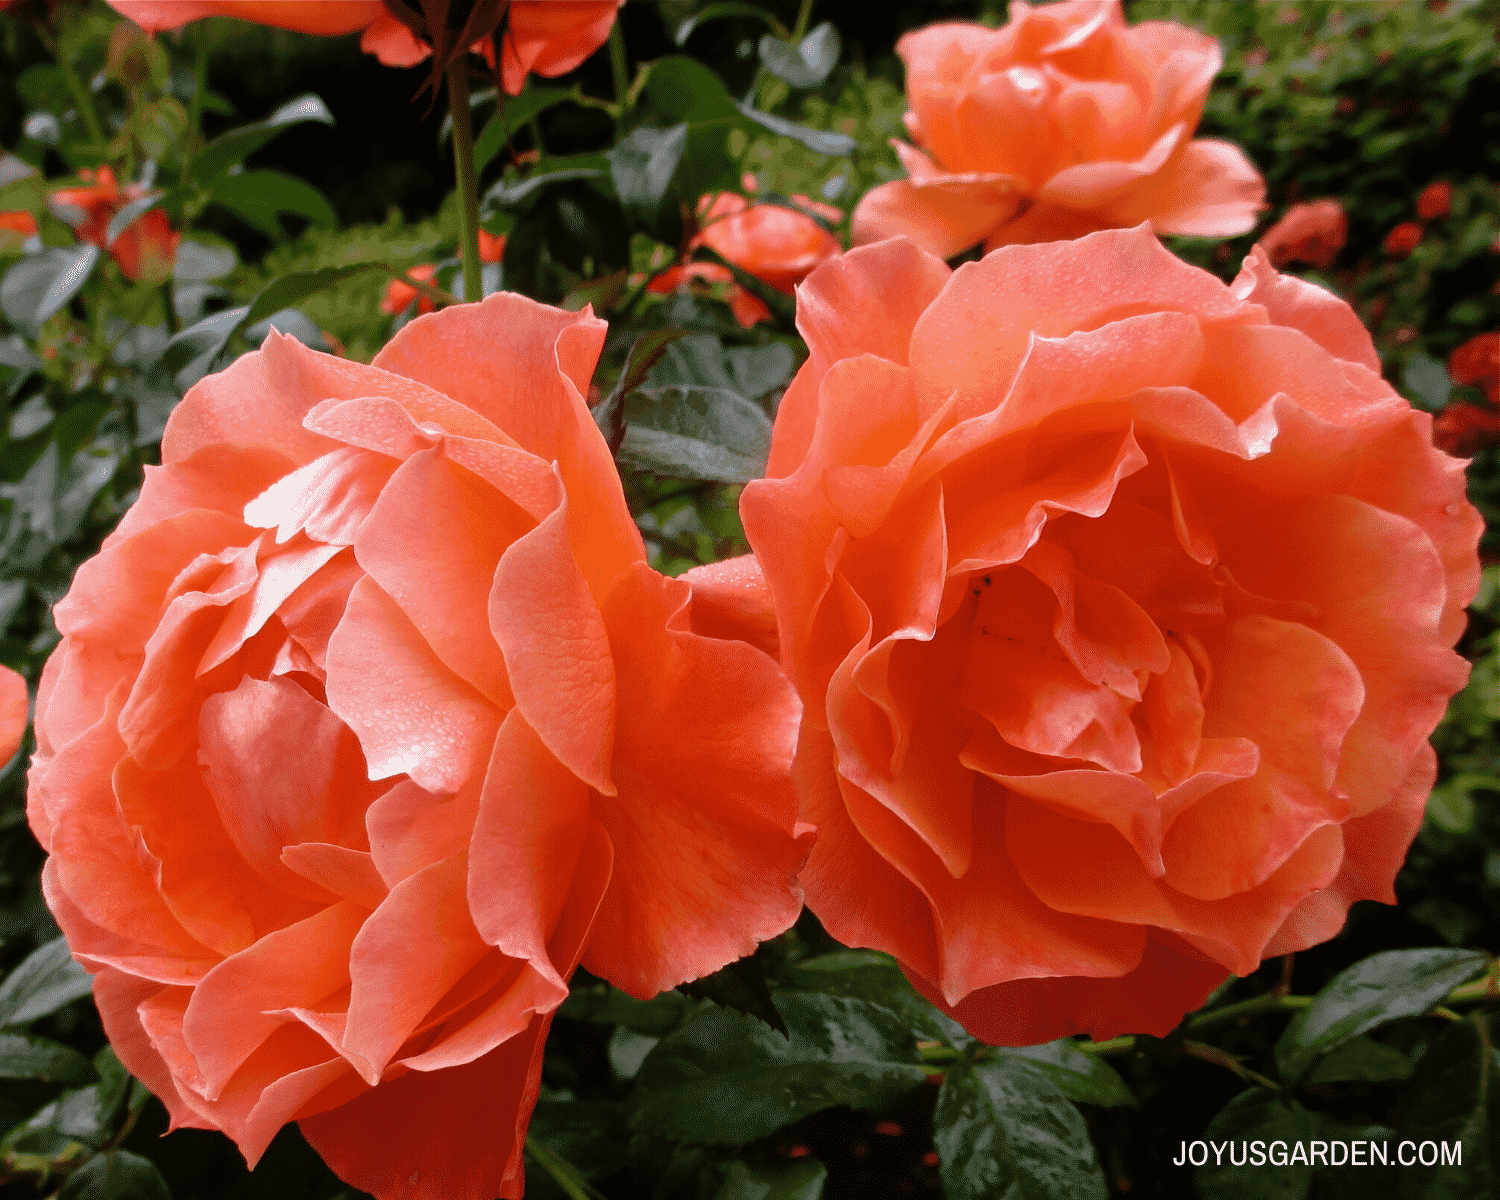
(804, 18)
(563, 1173)
(195, 106)
(85, 103)
(464, 177)
(617, 66)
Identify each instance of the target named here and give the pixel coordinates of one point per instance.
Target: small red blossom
(1477, 364)
(747, 307)
(146, 248)
(1435, 200)
(1403, 239)
(398, 295)
(1463, 429)
(1310, 233)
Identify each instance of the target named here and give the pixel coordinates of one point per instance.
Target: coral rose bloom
(1311, 233)
(1120, 603)
(1064, 121)
(368, 724)
(772, 242)
(13, 713)
(146, 248)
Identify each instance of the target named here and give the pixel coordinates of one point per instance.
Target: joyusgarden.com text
(1315, 1153)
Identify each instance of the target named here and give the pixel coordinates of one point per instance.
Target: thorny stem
(464, 180)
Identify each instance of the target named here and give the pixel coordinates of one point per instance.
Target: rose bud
(368, 724)
(770, 241)
(1120, 602)
(1064, 121)
(1435, 200)
(1310, 233)
(1402, 240)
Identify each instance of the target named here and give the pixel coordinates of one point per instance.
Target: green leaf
(627, 1050)
(40, 284)
(1452, 1097)
(526, 192)
(296, 286)
(1246, 1131)
(1361, 1060)
(25, 1056)
(817, 140)
(47, 979)
(696, 433)
(600, 1004)
(1381, 988)
(513, 112)
(1003, 1129)
(809, 62)
(739, 985)
(645, 352)
(589, 1135)
(727, 1079)
(874, 977)
(682, 89)
(799, 1180)
(236, 144)
(118, 1175)
(1425, 382)
(128, 215)
(200, 261)
(257, 196)
(726, 8)
(642, 167)
(1082, 1077)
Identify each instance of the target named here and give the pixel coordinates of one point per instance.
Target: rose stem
(463, 169)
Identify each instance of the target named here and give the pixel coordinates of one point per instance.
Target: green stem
(563, 1173)
(195, 106)
(1253, 1007)
(618, 67)
(85, 103)
(804, 15)
(464, 178)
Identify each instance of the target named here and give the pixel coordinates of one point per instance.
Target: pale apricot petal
(402, 420)
(1046, 849)
(705, 858)
(866, 900)
(344, 873)
(1150, 999)
(528, 840)
(390, 41)
(1246, 364)
(731, 601)
(329, 19)
(411, 829)
(267, 1101)
(280, 573)
(1208, 188)
(414, 947)
(864, 302)
(220, 478)
(556, 649)
(470, 353)
(944, 214)
(1305, 306)
(329, 498)
(118, 996)
(1094, 185)
(552, 38)
(15, 709)
(1181, 63)
(457, 1133)
(411, 714)
(282, 770)
(432, 542)
(227, 1018)
(1050, 290)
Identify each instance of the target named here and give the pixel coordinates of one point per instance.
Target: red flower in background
(1403, 239)
(1435, 200)
(550, 37)
(747, 307)
(772, 242)
(13, 713)
(15, 228)
(145, 249)
(1310, 233)
(1463, 429)
(398, 296)
(1477, 364)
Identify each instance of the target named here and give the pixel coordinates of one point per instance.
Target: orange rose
(1311, 233)
(1064, 121)
(1435, 200)
(1464, 429)
(747, 307)
(1403, 239)
(145, 249)
(398, 296)
(1477, 363)
(1120, 603)
(550, 37)
(13, 713)
(777, 244)
(368, 724)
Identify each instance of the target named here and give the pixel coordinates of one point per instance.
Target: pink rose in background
(1310, 233)
(1064, 121)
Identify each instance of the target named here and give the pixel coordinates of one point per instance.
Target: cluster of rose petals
(145, 249)
(1062, 122)
(1120, 602)
(772, 242)
(1310, 233)
(550, 37)
(368, 724)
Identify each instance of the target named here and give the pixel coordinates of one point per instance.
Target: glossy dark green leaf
(801, 1179)
(510, 117)
(235, 145)
(642, 167)
(40, 284)
(1003, 1129)
(589, 1135)
(1080, 1076)
(739, 985)
(600, 1004)
(696, 433)
(525, 192)
(1425, 382)
(199, 261)
(118, 1175)
(291, 289)
(872, 976)
(725, 1078)
(1361, 1060)
(1381, 988)
(645, 352)
(1449, 1114)
(1353, 1150)
(45, 980)
(26, 1056)
(258, 196)
(817, 140)
(683, 89)
(807, 63)
(131, 213)
(721, 10)
(1256, 1148)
